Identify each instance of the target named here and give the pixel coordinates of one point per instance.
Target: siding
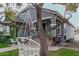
(46, 14)
(69, 31)
(28, 14)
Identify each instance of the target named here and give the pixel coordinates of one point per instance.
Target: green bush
(4, 38)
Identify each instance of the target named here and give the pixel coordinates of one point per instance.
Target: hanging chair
(26, 45)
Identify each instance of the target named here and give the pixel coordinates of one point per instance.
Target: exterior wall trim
(42, 19)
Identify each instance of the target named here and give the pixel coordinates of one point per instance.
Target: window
(6, 29)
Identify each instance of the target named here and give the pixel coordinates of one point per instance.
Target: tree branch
(34, 4)
(70, 16)
(41, 4)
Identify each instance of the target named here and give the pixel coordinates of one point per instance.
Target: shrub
(4, 38)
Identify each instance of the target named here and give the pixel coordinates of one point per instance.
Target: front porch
(54, 34)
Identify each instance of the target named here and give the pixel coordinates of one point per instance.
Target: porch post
(62, 33)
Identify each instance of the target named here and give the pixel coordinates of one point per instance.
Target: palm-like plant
(10, 16)
(9, 13)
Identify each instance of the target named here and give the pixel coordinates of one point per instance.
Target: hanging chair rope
(25, 24)
(21, 29)
(26, 45)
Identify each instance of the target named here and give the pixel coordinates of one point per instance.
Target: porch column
(62, 33)
(53, 24)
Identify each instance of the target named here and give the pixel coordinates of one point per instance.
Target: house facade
(52, 21)
(69, 31)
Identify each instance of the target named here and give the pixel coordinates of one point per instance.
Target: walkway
(15, 47)
(7, 49)
(71, 48)
(50, 48)
(53, 48)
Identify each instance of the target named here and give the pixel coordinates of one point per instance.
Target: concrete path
(7, 49)
(51, 48)
(55, 48)
(71, 48)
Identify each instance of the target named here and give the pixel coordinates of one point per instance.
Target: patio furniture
(28, 47)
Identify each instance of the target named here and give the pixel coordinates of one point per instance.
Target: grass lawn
(64, 52)
(60, 52)
(10, 53)
(3, 45)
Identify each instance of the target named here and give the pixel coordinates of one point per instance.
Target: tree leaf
(71, 7)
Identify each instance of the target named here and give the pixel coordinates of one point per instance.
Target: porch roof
(47, 14)
(59, 15)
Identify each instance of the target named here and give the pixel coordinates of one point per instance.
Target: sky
(57, 7)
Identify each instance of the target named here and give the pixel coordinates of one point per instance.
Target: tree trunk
(43, 40)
